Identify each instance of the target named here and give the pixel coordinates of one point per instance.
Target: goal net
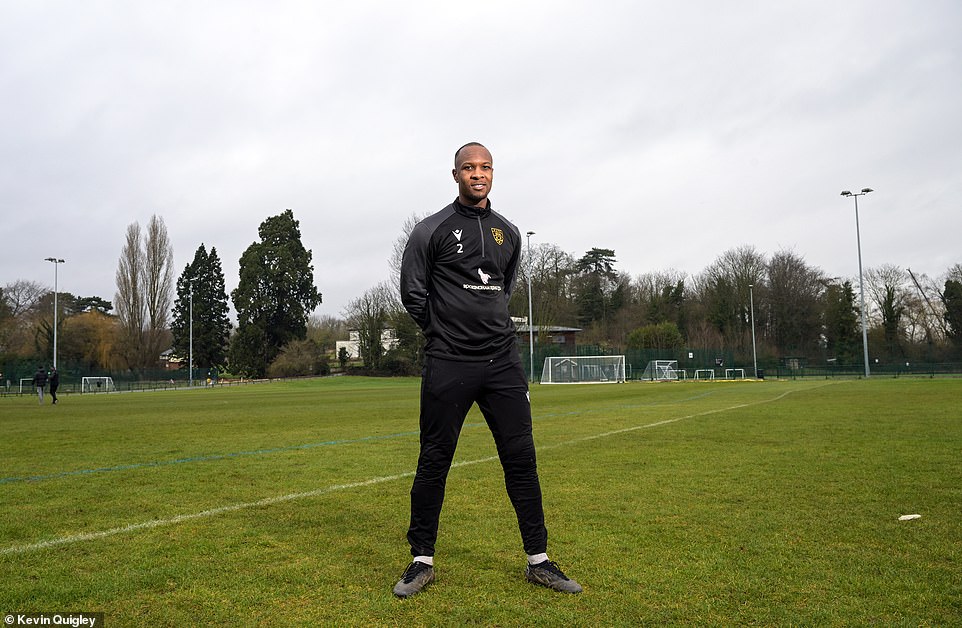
(584, 369)
(97, 384)
(734, 373)
(661, 370)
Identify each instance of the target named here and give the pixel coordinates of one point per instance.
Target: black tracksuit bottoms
(448, 390)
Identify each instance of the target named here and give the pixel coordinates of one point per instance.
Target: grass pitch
(687, 503)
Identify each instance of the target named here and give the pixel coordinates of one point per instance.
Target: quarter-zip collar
(478, 214)
(472, 212)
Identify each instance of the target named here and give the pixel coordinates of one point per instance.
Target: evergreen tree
(7, 323)
(892, 309)
(274, 296)
(952, 299)
(211, 325)
(597, 283)
(90, 304)
(841, 326)
(660, 336)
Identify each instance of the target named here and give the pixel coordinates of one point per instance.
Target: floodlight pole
(751, 300)
(190, 353)
(530, 317)
(56, 263)
(861, 284)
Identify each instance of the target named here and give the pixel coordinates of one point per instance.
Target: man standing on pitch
(40, 381)
(54, 383)
(457, 273)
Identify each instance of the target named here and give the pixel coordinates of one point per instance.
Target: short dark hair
(458, 152)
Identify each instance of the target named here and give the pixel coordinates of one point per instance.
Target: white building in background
(388, 341)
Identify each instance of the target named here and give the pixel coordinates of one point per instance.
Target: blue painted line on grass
(236, 454)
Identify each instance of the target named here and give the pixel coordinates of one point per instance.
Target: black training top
(457, 274)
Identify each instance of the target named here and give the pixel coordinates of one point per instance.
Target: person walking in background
(457, 273)
(54, 384)
(40, 381)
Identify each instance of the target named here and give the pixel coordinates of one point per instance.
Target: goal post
(97, 384)
(734, 373)
(661, 371)
(584, 369)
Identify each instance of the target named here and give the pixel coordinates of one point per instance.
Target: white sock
(537, 558)
(427, 560)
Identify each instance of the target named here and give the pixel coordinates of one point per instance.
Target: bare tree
(158, 284)
(23, 296)
(144, 292)
(661, 296)
(794, 303)
(887, 282)
(397, 252)
(888, 286)
(551, 270)
(954, 273)
(128, 300)
(925, 311)
(722, 294)
(370, 315)
(326, 331)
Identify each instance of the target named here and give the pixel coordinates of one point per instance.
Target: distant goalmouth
(97, 384)
(584, 369)
(663, 371)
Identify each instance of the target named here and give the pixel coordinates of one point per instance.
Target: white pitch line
(668, 421)
(157, 523)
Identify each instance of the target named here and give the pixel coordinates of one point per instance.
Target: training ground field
(767, 503)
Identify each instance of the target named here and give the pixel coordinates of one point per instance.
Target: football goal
(734, 373)
(97, 384)
(661, 371)
(26, 383)
(584, 369)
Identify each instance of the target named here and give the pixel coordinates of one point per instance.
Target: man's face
(474, 172)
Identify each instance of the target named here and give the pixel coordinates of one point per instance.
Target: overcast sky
(667, 131)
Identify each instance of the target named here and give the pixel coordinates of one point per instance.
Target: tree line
(795, 309)
(799, 311)
(153, 316)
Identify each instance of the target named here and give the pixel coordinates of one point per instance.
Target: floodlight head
(867, 190)
(846, 193)
(531, 233)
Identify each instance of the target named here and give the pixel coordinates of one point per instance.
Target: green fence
(637, 360)
(691, 360)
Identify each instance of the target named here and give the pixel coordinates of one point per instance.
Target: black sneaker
(417, 576)
(548, 574)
